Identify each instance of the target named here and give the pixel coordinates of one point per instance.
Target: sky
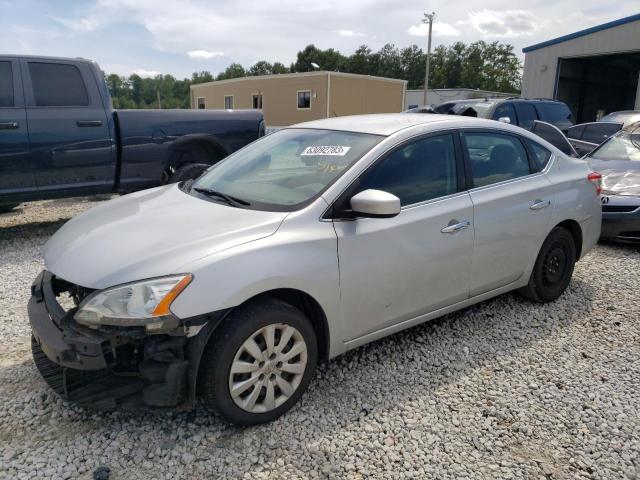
(179, 37)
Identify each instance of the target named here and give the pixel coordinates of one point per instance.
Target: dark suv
(520, 111)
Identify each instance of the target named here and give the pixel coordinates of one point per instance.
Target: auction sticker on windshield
(328, 150)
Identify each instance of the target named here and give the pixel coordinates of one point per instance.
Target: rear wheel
(260, 362)
(190, 171)
(7, 207)
(553, 268)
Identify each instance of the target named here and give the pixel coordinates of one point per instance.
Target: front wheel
(260, 362)
(553, 268)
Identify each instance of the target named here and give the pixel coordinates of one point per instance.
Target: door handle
(89, 123)
(456, 227)
(9, 125)
(540, 204)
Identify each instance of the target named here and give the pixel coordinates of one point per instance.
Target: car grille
(619, 208)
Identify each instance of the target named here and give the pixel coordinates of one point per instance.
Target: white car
(311, 241)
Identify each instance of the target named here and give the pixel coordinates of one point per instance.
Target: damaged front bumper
(107, 367)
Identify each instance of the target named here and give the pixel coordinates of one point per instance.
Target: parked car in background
(424, 109)
(587, 136)
(516, 111)
(626, 117)
(316, 239)
(618, 160)
(60, 137)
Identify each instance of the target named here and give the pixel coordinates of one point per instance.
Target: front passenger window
(419, 171)
(495, 157)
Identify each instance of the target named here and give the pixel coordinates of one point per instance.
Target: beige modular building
(299, 97)
(595, 71)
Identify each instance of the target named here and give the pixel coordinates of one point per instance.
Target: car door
(16, 169)
(591, 135)
(68, 128)
(505, 110)
(512, 205)
(527, 115)
(395, 269)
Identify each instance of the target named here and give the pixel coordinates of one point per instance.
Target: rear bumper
(621, 227)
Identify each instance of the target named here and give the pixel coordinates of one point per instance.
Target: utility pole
(428, 18)
(159, 101)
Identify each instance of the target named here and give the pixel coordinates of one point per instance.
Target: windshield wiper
(233, 201)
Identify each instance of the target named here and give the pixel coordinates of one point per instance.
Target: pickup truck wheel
(7, 207)
(553, 268)
(259, 362)
(190, 171)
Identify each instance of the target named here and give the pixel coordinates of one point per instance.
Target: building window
(201, 103)
(304, 99)
(228, 102)
(257, 101)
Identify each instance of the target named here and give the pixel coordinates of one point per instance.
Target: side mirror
(376, 204)
(504, 120)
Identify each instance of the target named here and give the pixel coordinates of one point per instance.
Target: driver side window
(416, 172)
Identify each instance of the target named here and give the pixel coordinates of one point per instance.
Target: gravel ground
(505, 389)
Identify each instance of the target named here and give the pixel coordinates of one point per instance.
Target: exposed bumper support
(104, 368)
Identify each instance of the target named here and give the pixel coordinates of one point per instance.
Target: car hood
(148, 234)
(618, 177)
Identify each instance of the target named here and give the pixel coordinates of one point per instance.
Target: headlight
(144, 303)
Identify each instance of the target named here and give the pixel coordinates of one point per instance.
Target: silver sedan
(309, 242)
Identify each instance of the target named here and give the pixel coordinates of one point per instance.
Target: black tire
(553, 268)
(189, 171)
(242, 323)
(7, 207)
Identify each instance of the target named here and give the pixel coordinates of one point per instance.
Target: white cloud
(204, 54)
(504, 23)
(350, 33)
(145, 73)
(87, 24)
(440, 29)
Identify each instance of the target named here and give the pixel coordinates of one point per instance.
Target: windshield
(624, 146)
(287, 168)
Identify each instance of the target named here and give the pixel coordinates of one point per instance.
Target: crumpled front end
(107, 366)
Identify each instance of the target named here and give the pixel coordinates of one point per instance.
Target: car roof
(390, 123)
(46, 57)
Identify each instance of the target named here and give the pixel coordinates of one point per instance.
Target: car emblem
(604, 200)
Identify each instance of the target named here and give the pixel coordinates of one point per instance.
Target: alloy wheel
(268, 368)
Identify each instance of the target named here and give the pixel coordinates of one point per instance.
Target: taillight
(596, 180)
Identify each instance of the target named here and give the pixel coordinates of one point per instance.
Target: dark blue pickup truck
(60, 137)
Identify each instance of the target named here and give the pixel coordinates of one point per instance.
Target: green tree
(260, 68)
(280, 68)
(201, 77)
(488, 66)
(234, 70)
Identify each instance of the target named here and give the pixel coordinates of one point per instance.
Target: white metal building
(595, 71)
(436, 96)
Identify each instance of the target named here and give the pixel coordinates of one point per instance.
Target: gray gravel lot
(505, 389)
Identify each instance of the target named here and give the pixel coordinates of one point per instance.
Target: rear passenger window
(541, 155)
(555, 112)
(526, 115)
(599, 132)
(575, 132)
(6, 85)
(420, 171)
(495, 157)
(505, 110)
(57, 85)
